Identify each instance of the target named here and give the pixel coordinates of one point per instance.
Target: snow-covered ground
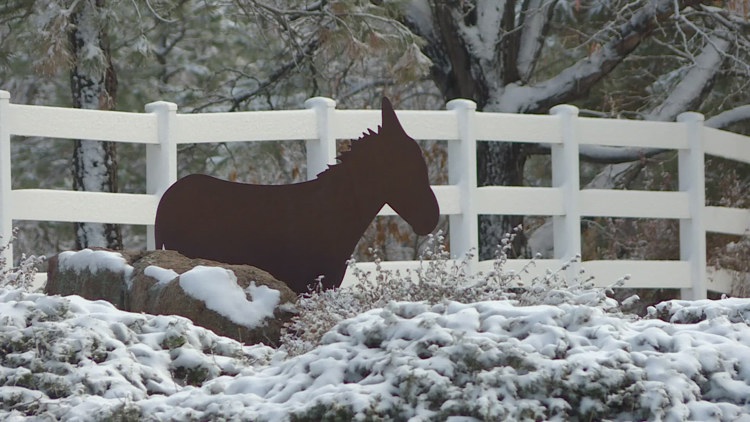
(66, 358)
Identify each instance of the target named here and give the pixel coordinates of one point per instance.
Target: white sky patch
(218, 288)
(161, 275)
(94, 261)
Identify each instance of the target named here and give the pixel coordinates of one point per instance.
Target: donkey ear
(391, 125)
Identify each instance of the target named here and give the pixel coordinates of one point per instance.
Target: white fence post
(161, 160)
(693, 230)
(322, 151)
(462, 171)
(6, 219)
(566, 176)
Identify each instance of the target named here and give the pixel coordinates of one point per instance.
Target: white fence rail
(321, 124)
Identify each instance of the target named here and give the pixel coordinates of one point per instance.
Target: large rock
(95, 274)
(237, 301)
(221, 307)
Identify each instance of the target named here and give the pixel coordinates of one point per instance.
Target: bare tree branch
(279, 73)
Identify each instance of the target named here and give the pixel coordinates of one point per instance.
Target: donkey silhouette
(299, 232)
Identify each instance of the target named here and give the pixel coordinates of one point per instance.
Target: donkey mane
(359, 149)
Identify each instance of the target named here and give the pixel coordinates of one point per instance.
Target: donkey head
(407, 187)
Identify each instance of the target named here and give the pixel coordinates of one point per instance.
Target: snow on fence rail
(162, 129)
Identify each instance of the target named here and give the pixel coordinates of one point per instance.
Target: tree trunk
(459, 73)
(500, 164)
(93, 85)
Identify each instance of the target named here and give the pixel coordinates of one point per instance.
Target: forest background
(641, 59)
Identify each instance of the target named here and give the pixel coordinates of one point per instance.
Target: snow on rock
(218, 288)
(94, 261)
(161, 275)
(408, 361)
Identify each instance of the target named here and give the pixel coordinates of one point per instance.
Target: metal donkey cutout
(302, 231)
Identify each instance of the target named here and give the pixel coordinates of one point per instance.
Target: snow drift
(71, 359)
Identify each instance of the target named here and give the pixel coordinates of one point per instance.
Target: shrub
(21, 277)
(733, 256)
(438, 279)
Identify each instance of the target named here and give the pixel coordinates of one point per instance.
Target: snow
(218, 288)
(73, 359)
(541, 241)
(94, 261)
(161, 275)
(687, 93)
(78, 358)
(532, 38)
(215, 286)
(729, 117)
(489, 19)
(419, 13)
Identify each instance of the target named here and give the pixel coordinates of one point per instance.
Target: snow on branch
(419, 16)
(577, 79)
(692, 88)
(729, 117)
(604, 154)
(535, 18)
(489, 24)
(686, 95)
(482, 37)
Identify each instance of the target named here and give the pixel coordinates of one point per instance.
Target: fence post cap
(461, 104)
(564, 109)
(158, 105)
(316, 102)
(690, 116)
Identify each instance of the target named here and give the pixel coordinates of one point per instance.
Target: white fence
(162, 129)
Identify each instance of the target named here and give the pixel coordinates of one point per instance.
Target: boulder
(248, 319)
(95, 274)
(236, 301)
